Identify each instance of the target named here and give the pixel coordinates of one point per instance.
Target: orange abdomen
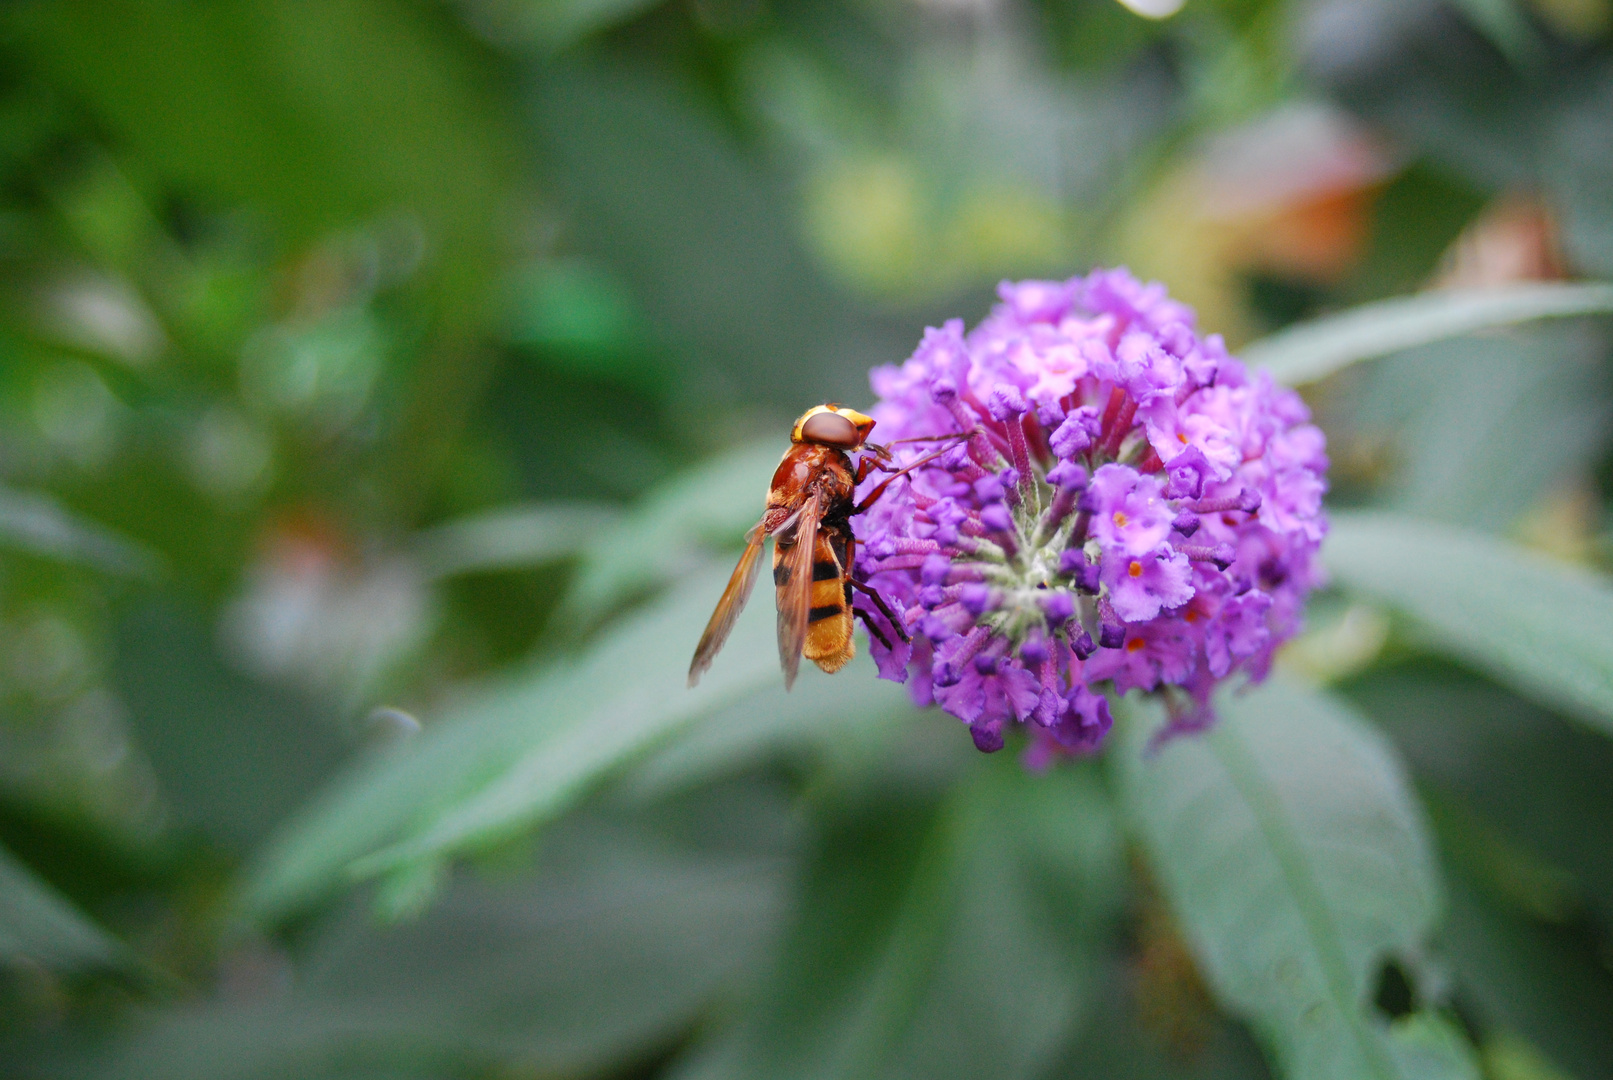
(829, 641)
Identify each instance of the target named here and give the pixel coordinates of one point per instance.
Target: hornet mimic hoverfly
(810, 505)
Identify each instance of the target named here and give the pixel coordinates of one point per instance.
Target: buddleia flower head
(1131, 510)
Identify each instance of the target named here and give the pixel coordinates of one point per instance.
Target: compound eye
(830, 429)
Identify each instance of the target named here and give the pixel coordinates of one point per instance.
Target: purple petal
(1186, 473)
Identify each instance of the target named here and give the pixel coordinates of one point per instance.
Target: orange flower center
(1136, 643)
(1136, 569)
(1121, 520)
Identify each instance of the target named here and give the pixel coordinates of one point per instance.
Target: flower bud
(1059, 607)
(990, 489)
(975, 598)
(1033, 651)
(1006, 403)
(1068, 476)
(997, 518)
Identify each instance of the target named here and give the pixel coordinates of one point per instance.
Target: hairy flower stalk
(1125, 508)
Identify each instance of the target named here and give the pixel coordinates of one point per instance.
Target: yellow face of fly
(831, 432)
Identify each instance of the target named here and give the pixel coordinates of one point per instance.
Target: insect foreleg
(873, 496)
(936, 438)
(868, 465)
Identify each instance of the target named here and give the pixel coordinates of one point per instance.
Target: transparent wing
(794, 589)
(729, 605)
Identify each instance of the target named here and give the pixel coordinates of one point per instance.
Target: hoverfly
(810, 504)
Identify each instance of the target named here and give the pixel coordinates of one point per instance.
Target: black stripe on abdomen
(825, 571)
(781, 574)
(818, 614)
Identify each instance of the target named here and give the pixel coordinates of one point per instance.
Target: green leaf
(706, 239)
(1153, 1024)
(1507, 29)
(938, 939)
(583, 319)
(1542, 626)
(706, 509)
(36, 523)
(1510, 789)
(1528, 779)
(600, 956)
(511, 537)
(553, 25)
(1317, 349)
(1518, 974)
(39, 925)
(1455, 408)
(1579, 170)
(853, 713)
(511, 755)
(319, 113)
(1289, 847)
(232, 755)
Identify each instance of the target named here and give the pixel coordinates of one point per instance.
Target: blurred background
(359, 356)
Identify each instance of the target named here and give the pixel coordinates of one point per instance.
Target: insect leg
(882, 455)
(936, 438)
(881, 452)
(873, 629)
(879, 602)
(868, 465)
(874, 495)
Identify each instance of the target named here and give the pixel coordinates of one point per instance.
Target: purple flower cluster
(1124, 504)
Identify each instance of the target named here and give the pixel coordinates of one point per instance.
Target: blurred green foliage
(385, 384)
